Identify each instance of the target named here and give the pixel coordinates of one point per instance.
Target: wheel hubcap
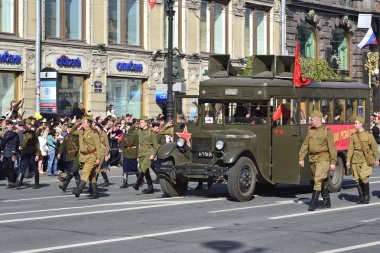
(245, 180)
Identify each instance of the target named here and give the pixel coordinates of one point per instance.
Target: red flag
(298, 80)
(152, 3)
(280, 112)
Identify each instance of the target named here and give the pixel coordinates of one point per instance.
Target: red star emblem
(186, 135)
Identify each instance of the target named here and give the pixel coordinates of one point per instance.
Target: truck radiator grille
(201, 144)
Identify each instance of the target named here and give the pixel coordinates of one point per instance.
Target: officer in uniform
(9, 148)
(90, 155)
(106, 152)
(30, 153)
(70, 146)
(360, 142)
(147, 150)
(319, 142)
(130, 153)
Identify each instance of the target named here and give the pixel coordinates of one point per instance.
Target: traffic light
(178, 73)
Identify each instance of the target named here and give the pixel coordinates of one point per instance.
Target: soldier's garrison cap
(317, 114)
(87, 117)
(144, 117)
(360, 119)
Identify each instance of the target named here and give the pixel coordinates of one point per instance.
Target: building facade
(114, 51)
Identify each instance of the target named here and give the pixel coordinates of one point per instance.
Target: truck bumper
(188, 170)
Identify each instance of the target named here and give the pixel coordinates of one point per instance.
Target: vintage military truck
(244, 130)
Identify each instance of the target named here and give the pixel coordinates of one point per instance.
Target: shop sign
(5, 57)
(129, 66)
(161, 93)
(65, 61)
(98, 86)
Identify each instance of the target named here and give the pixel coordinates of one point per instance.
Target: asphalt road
(125, 220)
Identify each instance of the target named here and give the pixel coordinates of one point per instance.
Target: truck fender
(233, 154)
(166, 150)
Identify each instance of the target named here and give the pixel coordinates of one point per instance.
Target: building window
(306, 38)
(176, 24)
(125, 95)
(65, 19)
(125, 22)
(340, 59)
(256, 32)
(213, 26)
(69, 94)
(7, 86)
(8, 14)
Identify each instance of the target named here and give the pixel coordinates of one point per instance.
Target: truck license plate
(204, 154)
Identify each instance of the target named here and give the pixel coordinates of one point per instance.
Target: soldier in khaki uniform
(130, 153)
(106, 152)
(147, 150)
(360, 142)
(70, 146)
(90, 155)
(319, 142)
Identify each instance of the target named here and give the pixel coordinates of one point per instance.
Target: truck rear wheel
(173, 185)
(335, 178)
(242, 179)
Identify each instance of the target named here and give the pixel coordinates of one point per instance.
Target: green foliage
(318, 70)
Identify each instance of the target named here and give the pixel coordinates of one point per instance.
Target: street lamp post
(170, 107)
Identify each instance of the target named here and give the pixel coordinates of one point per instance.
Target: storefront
(125, 85)
(73, 73)
(10, 77)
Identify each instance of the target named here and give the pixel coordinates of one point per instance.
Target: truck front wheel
(242, 179)
(173, 185)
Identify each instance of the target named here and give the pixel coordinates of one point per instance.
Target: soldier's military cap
(146, 118)
(20, 123)
(9, 122)
(70, 125)
(360, 119)
(87, 117)
(316, 114)
(155, 123)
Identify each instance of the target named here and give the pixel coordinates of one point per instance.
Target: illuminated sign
(65, 61)
(129, 66)
(10, 58)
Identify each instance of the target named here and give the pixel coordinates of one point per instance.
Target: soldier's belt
(131, 147)
(146, 145)
(72, 151)
(320, 153)
(88, 152)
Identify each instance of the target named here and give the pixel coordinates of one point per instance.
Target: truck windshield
(243, 113)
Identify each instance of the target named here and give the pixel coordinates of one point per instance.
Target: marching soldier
(70, 146)
(130, 153)
(90, 155)
(9, 148)
(319, 142)
(30, 153)
(362, 149)
(147, 151)
(106, 152)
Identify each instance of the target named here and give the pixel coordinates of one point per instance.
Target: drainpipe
(38, 53)
(283, 28)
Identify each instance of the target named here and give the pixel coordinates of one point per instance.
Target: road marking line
(128, 238)
(371, 220)
(365, 245)
(106, 211)
(322, 211)
(254, 207)
(137, 202)
(51, 197)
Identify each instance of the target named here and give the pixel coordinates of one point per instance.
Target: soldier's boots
(61, 178)
(105, 178)
(125, 181)
(78, 190)
(68, 178)
(36, 181)
(11, 185)
(140, 178)
(326, 199)
(94, 194)
(77, 178)
(361, 195)
(150, 183)
(366, 193)
(20, 178)
(314, 201)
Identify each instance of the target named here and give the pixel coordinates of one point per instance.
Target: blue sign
(65, 61)
(48, 96)
(10, 58)
(161, 97)
(129, 66)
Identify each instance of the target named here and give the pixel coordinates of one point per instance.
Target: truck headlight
(219, 145)
(181, 142)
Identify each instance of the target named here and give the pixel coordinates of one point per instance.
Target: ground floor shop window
(125, 95)
(69, 93)
(7, 87)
